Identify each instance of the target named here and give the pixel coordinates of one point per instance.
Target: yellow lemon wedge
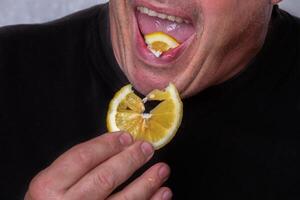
(159, 42)
(127, 113)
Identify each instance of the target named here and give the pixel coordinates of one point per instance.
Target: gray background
(35, 11)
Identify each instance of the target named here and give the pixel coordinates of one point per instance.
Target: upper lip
(163, 9)
(168, 11)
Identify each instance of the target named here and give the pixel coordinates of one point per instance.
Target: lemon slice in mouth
(159, 42)
(127, 113)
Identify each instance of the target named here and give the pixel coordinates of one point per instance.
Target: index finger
(79, 160)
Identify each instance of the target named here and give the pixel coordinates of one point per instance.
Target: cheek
(231, 8)
(219, 17)
(228, 11)
(216, 8)
(228, 17)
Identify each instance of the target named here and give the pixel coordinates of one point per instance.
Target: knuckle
(105, 180)
(84, 156)
(111, 142)
(37, 187)
(126, 197)
(40, 188)
(121, 197)
(135, 158)
(151, 183)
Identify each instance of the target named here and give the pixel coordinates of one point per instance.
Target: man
(237, 69)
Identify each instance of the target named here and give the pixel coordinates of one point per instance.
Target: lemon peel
(127, 113)
(159, 42)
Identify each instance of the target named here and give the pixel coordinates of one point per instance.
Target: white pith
(128, 89)
(114, 104)
(149, 40)
(178, 109)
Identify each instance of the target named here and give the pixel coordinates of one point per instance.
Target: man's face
(217, 40)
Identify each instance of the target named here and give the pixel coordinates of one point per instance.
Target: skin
(92, 170)
(229, 33)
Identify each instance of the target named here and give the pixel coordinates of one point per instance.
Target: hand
(93, 170)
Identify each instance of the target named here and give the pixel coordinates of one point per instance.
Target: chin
(135, 19)
(146, 71)
(145, 81)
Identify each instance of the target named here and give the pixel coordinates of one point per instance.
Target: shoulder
(294, 33)
(43, 52)
(76, 18)
(296, 23)
(287, 31)
(57, 32)
(47, 46)
(292, 25)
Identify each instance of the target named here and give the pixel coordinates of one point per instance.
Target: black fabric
(238, 140)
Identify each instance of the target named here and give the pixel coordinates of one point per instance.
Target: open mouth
(161, 37)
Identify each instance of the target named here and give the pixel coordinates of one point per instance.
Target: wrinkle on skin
(229, 33)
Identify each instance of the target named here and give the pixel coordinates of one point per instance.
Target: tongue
(181, 32)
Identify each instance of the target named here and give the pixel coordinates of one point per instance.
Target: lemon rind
(153, 37)
(179, 110)
(121, 95)
(112, 110)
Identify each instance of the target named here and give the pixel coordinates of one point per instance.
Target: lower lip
(165, 59)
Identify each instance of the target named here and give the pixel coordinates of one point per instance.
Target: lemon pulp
(159, 42)
(127, 113)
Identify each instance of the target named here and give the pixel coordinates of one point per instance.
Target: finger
(79, 160)
(100, 182)
(163, 193)
(145, 186)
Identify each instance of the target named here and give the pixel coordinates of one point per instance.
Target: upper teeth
(153, 13)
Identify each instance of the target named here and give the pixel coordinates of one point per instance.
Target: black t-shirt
(238, 140)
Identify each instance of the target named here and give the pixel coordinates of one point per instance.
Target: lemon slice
(159, 42)
(127, 113)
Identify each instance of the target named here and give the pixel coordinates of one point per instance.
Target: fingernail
(147, 149)
(125, 139)
(163, 172)
(167, 195)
